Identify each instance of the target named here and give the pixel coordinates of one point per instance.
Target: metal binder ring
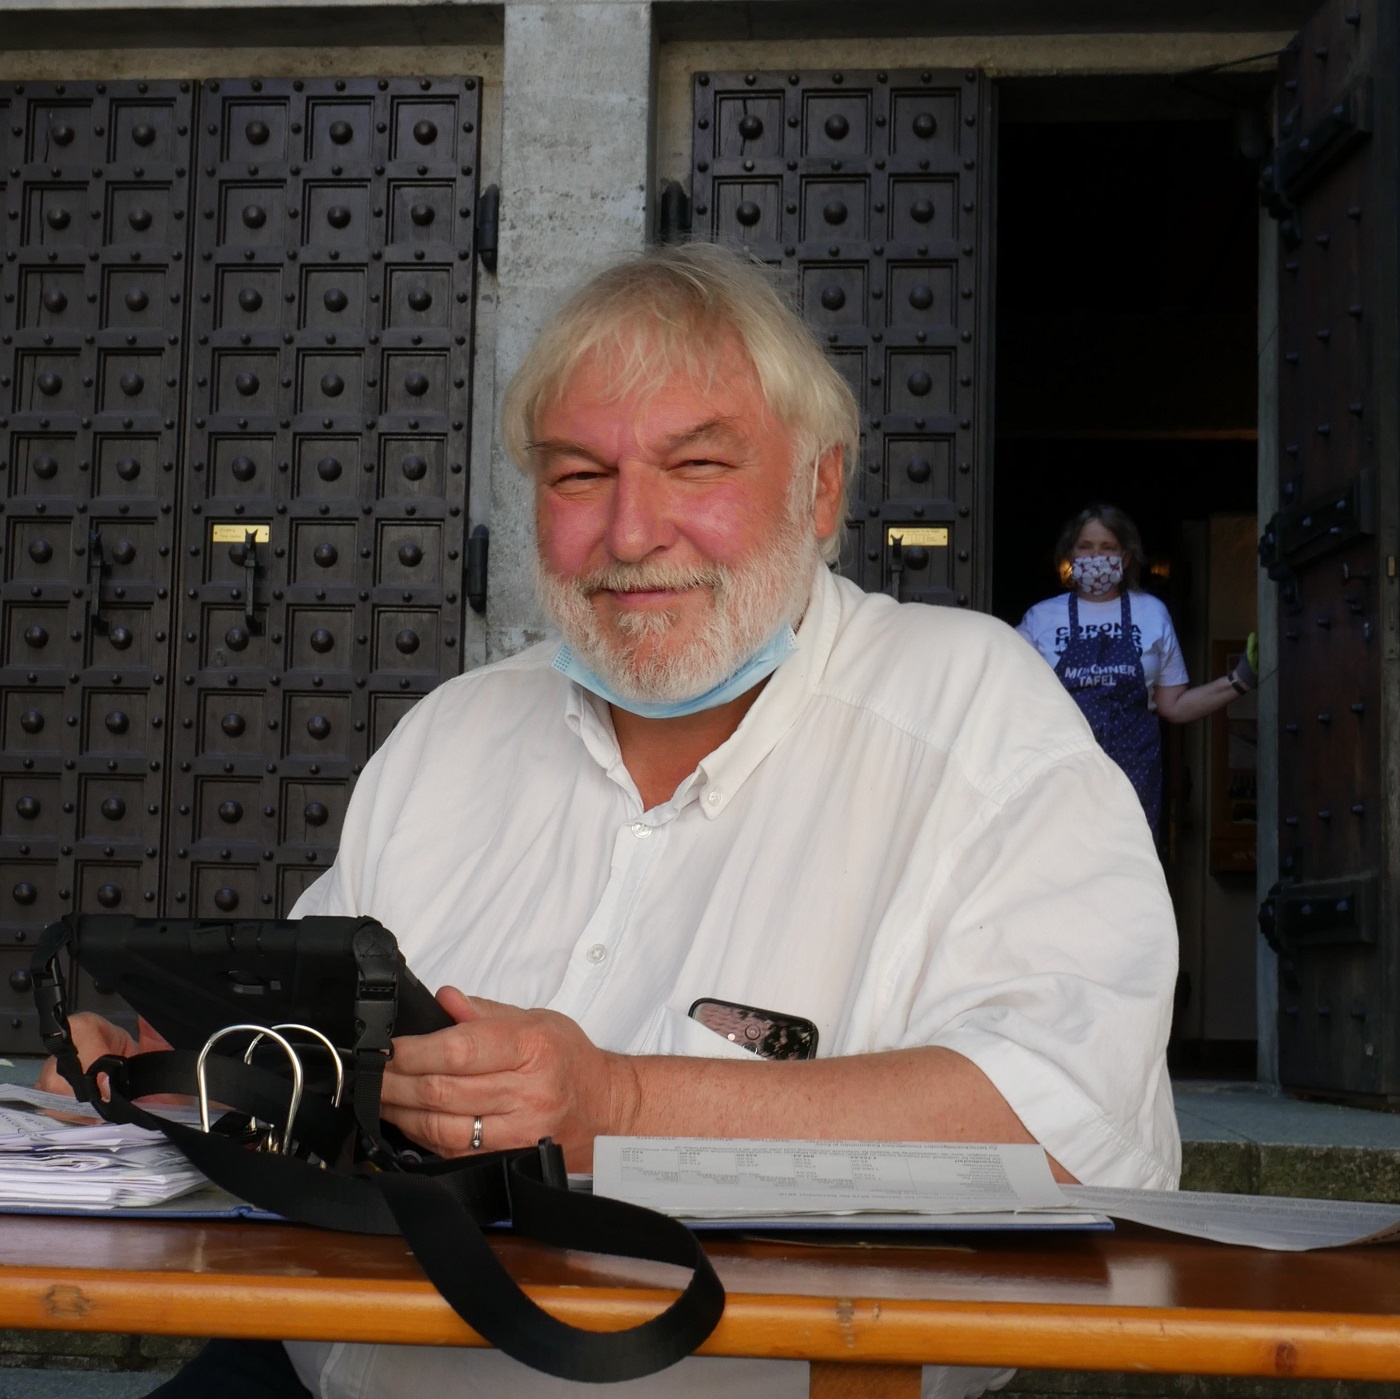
(330, 1049)
(292, 1107)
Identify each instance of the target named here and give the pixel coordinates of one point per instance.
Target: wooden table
(865, 1316)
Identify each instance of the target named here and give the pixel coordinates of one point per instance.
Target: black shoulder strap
(439, 1209)
(465, 1269)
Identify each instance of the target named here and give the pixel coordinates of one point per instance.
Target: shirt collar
(723, 772)
(777, 709)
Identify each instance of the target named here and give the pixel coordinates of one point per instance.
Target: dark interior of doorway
(1127, 274)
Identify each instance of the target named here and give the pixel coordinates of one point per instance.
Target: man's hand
(526, 1073)
(93, 1037)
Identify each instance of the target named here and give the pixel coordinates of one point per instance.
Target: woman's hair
(1119, 524)
(668, 313)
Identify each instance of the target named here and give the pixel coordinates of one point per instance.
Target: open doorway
(1127, 285)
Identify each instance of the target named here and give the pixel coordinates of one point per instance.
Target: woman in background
(1115, 650)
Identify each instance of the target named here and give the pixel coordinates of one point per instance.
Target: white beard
(749, 602)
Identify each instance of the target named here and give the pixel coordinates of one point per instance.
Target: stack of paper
(57, 1153)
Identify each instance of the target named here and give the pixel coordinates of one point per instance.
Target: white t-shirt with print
(1046, 627)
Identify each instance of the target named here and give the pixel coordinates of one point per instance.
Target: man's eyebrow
(721, 426)
(561, 447)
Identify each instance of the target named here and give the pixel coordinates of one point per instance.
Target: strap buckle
(49, 1001)
(376, 989)
(553, 1172)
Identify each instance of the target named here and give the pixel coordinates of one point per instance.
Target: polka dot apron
(1104, 675)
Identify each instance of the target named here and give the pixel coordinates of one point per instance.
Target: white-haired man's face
(676, 533)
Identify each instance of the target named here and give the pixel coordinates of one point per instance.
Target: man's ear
(826, 506)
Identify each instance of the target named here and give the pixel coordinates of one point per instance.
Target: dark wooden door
(1331, 183)
(874, 191)
(328, 421)
(93, 299)
(235, 346)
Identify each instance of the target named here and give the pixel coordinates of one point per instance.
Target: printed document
(899, 1184)
(58, 1153)
(700, 1178)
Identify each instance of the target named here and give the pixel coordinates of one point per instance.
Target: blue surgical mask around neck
(757, 668)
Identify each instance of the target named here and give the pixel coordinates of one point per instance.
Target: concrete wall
(575, 179)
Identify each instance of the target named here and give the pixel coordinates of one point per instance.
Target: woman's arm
(1180, 704)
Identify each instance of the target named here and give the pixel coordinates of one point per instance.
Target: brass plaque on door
(238, 532)
(929, 536)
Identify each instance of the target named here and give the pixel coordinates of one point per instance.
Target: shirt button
(640, 829)
(712, 798)
(597, 952)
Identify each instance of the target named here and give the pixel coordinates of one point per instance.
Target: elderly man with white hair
(740, 778)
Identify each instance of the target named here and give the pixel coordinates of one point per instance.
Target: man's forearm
(901, 1095)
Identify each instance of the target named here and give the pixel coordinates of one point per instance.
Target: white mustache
(649, 577)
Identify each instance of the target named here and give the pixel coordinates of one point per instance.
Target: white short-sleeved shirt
(1046, 627)
(905, 841)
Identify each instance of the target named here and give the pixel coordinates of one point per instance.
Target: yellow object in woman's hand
(1245, 676)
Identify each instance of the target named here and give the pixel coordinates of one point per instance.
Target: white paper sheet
(1260, 1221)
(703, 1178)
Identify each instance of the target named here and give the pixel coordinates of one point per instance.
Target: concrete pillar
(576, 160)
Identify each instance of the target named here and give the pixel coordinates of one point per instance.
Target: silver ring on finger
(476, 1134)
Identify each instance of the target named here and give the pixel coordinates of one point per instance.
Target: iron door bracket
(1300, 161)
(474, 583)
(1298, 534)
(1324, 913)
(488, 226)
(673, 221)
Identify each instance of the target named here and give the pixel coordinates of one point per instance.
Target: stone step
(1251, 1140)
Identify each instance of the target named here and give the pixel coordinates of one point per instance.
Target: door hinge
(1298, 534)
(673, 216)
(478, 545)
(488, 226)
(1300, 161)
(1331, 913)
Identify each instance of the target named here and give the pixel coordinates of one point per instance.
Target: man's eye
(577, 475)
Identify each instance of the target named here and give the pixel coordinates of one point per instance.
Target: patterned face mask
(1096, 574)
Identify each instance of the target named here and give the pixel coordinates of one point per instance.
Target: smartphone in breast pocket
(768, 1033)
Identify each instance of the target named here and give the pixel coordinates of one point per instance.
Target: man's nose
(640, 520)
